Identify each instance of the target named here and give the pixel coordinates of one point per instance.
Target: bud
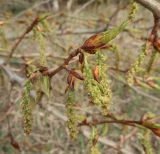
(77, 75)
(94, 42)
(157, 44)
(156, 131)
(71, 81)
(81, 58)
(154, 127)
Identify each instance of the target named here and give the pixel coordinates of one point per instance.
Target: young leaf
(99, 40)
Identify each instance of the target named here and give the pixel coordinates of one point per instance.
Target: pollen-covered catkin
(136, 68)
(71, 114)
(26, 105)
(99, 91)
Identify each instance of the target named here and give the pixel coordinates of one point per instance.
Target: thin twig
(51, 72)
(123, 122)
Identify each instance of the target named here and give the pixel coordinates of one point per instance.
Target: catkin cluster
(99, 91)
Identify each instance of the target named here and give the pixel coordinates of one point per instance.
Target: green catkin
(93, 144)
(133, 11)
(136, 68)
(115, 50)
(145, 139)
(45, 81)
(26, 105)
(94, 150)
(46, 25)
(72, 122)
(91, 85)
(40, 38)
(99, 92)
(106, 93)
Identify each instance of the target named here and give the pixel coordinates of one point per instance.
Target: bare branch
(151, 5)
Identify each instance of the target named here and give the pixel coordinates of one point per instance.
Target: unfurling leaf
(101, 40)
(45, 84)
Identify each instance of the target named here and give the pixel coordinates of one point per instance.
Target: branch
(51, 72)
(144, 122)
(151, 5)
(123, 122)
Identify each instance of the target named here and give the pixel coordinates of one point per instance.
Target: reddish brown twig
(146, 123)
(124, 122)
(51, 72)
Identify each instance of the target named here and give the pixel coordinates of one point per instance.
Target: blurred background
(69, 24)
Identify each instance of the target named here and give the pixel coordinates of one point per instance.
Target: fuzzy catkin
(136, 68)
(99, 92)
(71, 114)
(26, 105)
(93, 141)
(145, 139)
(104, 86)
